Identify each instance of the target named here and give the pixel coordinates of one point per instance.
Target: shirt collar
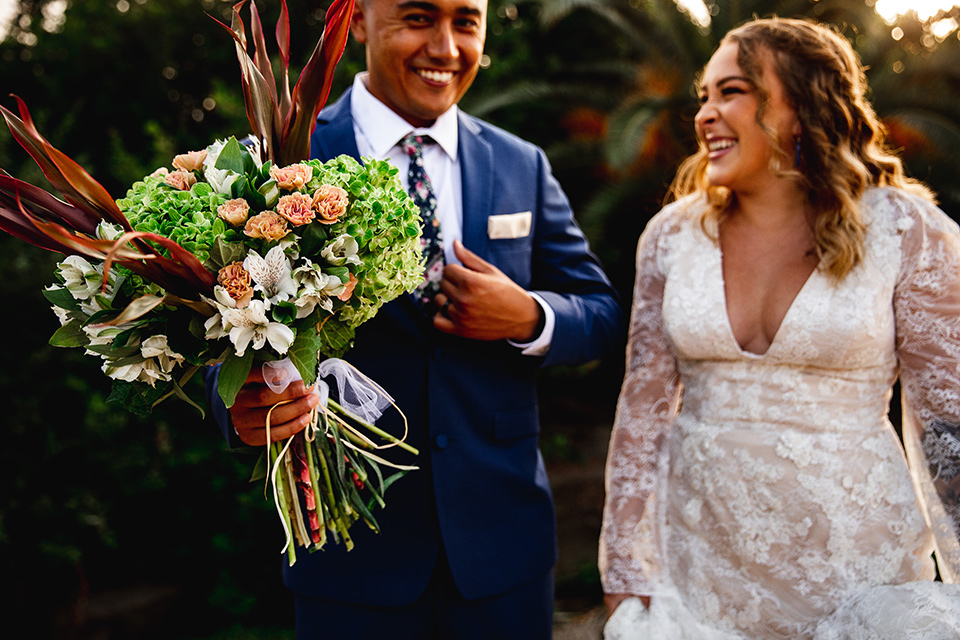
(383, 128)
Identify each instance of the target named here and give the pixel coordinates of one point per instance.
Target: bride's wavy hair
(842, 147)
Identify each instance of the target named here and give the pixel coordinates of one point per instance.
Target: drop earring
(796, 156)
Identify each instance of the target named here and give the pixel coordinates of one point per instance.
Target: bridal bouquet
(240, 255)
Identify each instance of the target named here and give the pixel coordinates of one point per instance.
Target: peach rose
(292, 177)
(192, 161)
(297, 208)
(235, 280)
(330, 203)
(234, 212)
(267, 225)
(348, 288)
(180, 179)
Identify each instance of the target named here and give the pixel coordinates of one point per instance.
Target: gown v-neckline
(783, 320)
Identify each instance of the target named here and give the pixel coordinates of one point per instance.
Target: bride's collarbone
(761, 285)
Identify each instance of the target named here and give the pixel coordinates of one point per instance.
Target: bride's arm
(927, 307)
(646, 408)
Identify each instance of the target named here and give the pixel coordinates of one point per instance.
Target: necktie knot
(413, 144)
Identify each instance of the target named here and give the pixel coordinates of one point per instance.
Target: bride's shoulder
(897, 211)
(677, 215)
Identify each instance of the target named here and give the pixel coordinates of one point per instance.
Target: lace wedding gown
(768, 495)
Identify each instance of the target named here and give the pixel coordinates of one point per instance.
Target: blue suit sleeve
(568, 276)
(218, 409)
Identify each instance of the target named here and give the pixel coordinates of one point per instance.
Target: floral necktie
(421, 190)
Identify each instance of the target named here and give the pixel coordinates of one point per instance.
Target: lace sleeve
(927, 308)
(646, 407)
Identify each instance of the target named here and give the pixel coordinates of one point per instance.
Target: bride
(755, 486)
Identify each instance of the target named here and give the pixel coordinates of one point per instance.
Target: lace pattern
(780, 490)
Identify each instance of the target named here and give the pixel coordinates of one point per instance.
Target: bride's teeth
(719, 145)
(436, 76)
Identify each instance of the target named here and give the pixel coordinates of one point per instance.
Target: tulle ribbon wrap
(327, 476)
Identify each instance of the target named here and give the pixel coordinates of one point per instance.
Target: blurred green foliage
(94, 500)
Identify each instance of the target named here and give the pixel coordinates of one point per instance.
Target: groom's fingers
(288, 411)
(285, 419)
(470, 260)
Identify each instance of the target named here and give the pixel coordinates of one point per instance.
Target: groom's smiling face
(422, 55)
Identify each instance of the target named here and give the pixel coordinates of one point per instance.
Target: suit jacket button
(440, 441)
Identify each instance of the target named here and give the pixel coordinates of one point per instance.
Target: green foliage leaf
(233, 373)
(136, 397)
(231, 157)
(69, 335)
(223, 253)
(61, 298)
(314, 236)
(260, 468)
(304, 353)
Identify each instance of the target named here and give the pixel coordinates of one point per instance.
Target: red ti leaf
(76, 185)
(313, 87)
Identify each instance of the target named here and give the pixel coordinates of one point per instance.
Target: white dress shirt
(379, 130)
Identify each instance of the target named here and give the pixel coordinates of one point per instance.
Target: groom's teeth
(435, 76)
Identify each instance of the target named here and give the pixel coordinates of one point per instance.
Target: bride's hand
(613, 600)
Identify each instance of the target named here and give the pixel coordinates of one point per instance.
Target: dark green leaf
(233, 373)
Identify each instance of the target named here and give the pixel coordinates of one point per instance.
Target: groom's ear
(358, 24)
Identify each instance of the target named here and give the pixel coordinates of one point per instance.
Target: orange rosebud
(296, 208)
(267, 225)
(234, 212)
(236, 282)
(330, 203)
(292, 177)
(192, 161)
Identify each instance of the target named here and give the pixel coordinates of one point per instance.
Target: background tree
(151, 512)
(621, 75)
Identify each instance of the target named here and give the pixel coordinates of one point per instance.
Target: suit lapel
(476, 174)
(334, 133)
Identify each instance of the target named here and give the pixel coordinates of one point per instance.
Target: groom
(468, 542)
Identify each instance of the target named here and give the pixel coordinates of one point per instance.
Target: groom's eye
(418, 19)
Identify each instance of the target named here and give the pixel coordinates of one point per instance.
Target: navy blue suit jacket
(481, 491)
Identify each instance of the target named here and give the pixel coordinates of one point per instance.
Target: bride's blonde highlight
(842, 148)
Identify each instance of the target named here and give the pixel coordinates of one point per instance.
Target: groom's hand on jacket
(290, 410)
(479, 301)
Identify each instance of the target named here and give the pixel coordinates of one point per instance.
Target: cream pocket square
(509, 225)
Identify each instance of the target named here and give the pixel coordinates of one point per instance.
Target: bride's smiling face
(738, 149)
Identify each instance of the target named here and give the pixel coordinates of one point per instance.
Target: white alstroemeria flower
(214, 328)
(224, 299)
(271, 275)
(80, 278)
(253, 145)
(104, 334)
(128, 372)
(290, 244)
(108, 230)
(343, 250)
(158, 363)
(316, 288)
(146, 371)
(62, 315)
(251, 324)
(213, 153)
(155, 348)
(215, 325)
(220, 179)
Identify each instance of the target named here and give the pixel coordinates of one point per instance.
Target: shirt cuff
(541, 344)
